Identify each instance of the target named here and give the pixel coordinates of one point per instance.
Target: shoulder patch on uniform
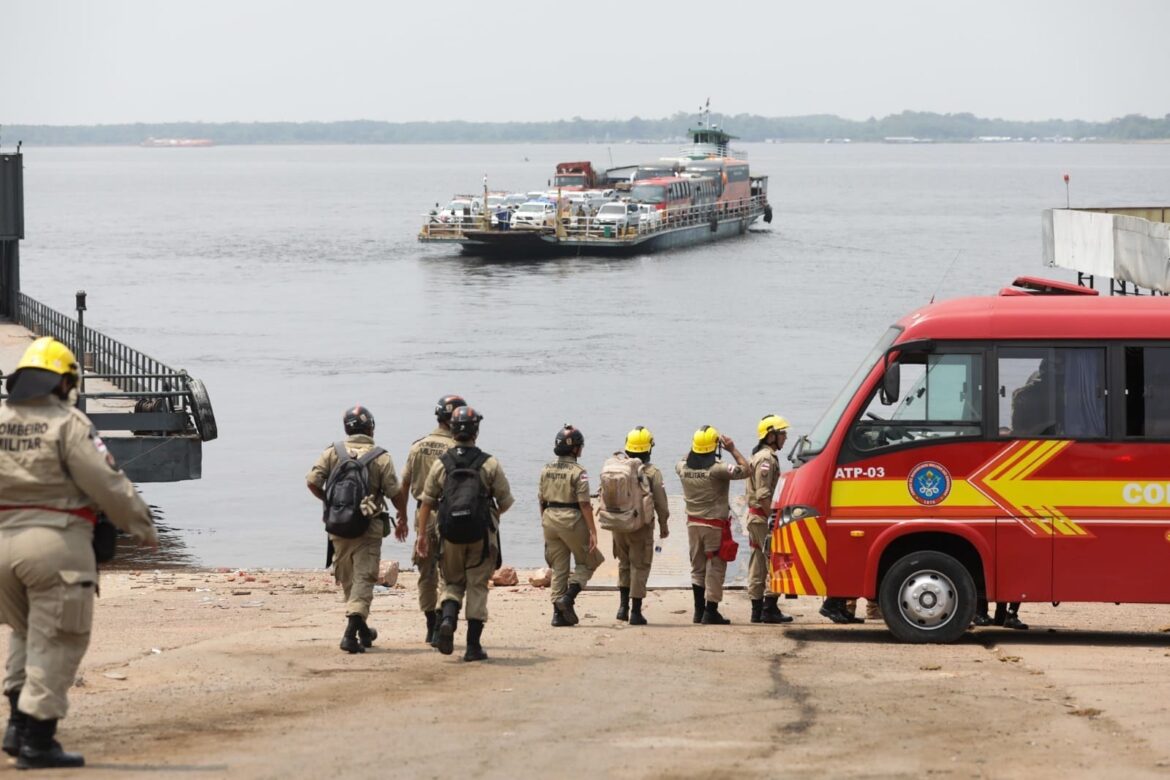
(584, 476)
(100, 446)
(766, 466)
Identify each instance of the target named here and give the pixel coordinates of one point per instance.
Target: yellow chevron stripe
(818, 584)
(818, 537)
(999, 468)
(1027, 465)
(1050, 453)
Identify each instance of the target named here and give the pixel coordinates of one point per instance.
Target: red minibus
(1011, 448)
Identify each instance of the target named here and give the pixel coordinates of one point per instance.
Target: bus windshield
(819, 436)
(649, 193)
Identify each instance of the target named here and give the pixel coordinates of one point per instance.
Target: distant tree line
(748, 127)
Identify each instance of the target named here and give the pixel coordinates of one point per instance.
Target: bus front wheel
(927, 596)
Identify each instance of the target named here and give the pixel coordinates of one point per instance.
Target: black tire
(201, 410)
(927, 597)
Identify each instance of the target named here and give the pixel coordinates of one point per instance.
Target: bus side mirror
(891, 384)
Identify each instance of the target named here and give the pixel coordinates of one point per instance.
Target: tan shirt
(657, 493)
(763, 474)
(421, 456)
(491, 473)
(564, 481)
(51, 458)
(706, 491)
(383, 477)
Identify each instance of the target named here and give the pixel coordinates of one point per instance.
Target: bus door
(905, 466)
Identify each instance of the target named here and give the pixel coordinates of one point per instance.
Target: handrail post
(81, 349)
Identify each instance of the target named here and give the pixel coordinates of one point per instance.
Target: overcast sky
(258, 60)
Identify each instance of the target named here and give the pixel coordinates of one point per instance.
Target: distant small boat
(176, 143)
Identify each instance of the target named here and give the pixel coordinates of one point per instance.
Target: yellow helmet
(51, 355)
(773, 422)
(705, 440)
(639, 440)
(40, 369)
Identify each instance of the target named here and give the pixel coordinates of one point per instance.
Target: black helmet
(568, 439)
(359, 419)
(465, 423)
(446, 405)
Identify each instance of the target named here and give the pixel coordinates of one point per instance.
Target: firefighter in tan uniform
(355, 561)
(55, 477)
(466, 567)
(419, 460)
(763, 475)
(706, 485)
(635, 551)
(566, 515)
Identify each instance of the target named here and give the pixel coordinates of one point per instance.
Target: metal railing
(121, 365)
(138, 376)
(707, 150)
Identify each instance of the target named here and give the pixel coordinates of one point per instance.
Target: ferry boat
(177, 143)
(705, 193)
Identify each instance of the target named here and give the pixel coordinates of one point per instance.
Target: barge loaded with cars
(704, 193)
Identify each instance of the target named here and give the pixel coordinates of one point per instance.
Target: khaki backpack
(626, 504)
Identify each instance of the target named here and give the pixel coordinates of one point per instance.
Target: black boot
(366, 634)
(447, 627)
(636, 618)
(834, 609)
(475, 651)
(757, 610)
(711, 616)
(558, 621)
(41, 751)
(1000, 613)
(350, 642)
(771, 612)
(432, 624)
(700, 594)
(565, 603)
(623, 612)
(17, 724)
(1012, 620)
(981, 617)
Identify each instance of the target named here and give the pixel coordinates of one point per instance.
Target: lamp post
(81, 349)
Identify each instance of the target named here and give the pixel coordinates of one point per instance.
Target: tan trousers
(707, 571)
(47, 583)
(634, 552)
(466, 575)
(758, 580)
(559, 545)
(430, 584)
(355, 567)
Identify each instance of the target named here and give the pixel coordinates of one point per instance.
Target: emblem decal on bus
(929, 483)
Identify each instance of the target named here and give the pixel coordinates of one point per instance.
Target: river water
(290, 280)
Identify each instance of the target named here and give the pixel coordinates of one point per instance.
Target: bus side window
(1147, 400)
(1052, 391)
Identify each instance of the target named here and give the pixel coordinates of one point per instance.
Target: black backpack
(465, 510)
(346, 488)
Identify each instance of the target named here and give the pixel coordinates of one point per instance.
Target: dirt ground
(211, 674)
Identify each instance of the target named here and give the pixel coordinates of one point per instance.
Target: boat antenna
(1067, 197)
(946, 274)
